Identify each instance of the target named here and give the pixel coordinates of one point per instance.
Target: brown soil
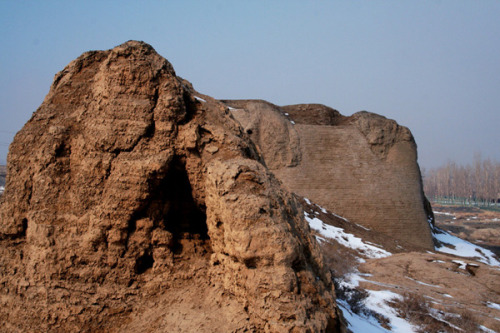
(435, 278)
(476, 225)
(446, 287)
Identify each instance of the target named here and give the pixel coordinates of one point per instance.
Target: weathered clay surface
(274, 136)
(363, 167)
(133, 204)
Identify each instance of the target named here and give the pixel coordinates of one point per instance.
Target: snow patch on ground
(423, 283)
(2, 189)
(439, 261)
(460, 263)
(377, 301)
(357, 322)
(343, 218)
(443, 213)
(440, 315)
(462, 248)
(486, 329)
(374, 244)
(345, 239)
(200, 99)
(363, 227)
(493, 305)
(324, 211)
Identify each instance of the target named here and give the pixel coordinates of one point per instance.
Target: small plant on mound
(465, 320)
(353, 296)
(339, 259)
(415, 309)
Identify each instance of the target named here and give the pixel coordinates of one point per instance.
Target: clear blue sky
(433, 66)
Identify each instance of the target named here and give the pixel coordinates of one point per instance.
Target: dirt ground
(439, 292)
(478, 226)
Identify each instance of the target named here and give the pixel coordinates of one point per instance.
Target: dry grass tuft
(465, 320)
(416, 309)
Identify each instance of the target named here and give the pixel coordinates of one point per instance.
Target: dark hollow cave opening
(184, 218)
(172, 207)
(143, 263)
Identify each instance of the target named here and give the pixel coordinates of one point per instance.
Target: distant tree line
(477, 184)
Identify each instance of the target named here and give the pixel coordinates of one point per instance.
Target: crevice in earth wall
(172, 208)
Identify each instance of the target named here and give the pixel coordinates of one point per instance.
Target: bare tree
(475, 184)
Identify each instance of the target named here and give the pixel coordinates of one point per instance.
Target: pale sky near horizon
(433, 66)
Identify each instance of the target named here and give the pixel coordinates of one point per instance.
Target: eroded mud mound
(135, 204)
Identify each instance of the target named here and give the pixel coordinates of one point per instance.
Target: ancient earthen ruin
(363, 167)
(135, 204)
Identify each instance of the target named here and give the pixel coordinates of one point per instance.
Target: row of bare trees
(474, 184)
